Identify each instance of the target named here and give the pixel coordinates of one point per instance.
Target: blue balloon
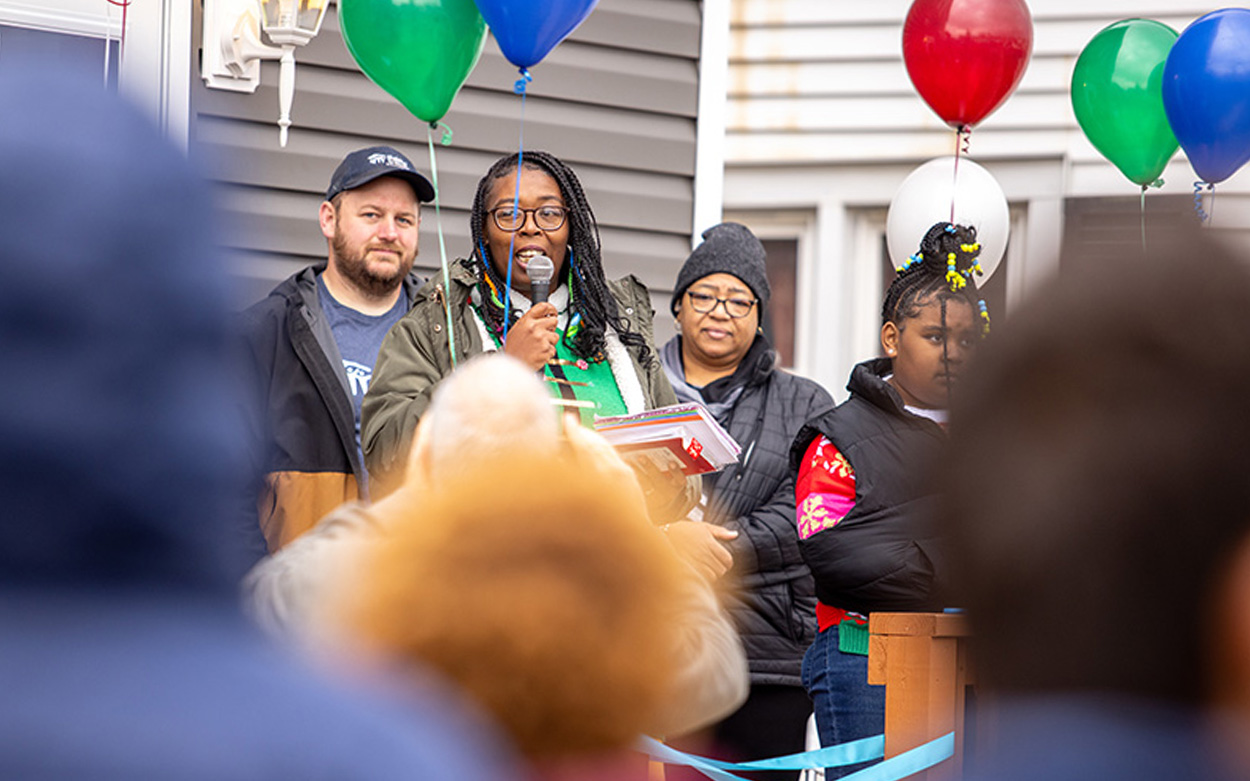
(527, 30)
(1206, 92)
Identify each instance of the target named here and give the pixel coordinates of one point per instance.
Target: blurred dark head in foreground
(117, 425)
(122, 654)
(1099, 484)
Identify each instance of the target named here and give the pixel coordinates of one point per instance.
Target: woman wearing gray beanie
(721, 359)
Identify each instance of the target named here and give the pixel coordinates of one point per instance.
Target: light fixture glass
(292, 22)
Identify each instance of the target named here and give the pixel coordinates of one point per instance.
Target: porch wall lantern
(233, 49)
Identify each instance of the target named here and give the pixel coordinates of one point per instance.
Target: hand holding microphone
(532, 339)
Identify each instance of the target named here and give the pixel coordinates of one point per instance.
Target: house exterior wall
(618, 100)
(824, 124)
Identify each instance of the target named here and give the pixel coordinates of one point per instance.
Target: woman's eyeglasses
(547, 218)
(734, 307)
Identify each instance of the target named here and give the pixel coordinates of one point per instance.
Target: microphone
(540, 270)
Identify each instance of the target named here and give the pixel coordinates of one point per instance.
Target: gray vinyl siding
(617, 100)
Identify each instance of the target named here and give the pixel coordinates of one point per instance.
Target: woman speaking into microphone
(592, 339)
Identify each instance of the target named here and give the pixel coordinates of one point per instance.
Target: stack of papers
(681, 436)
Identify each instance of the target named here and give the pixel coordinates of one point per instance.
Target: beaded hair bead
(953, 277)
(911, 261)
(973, 250)
(985, 317)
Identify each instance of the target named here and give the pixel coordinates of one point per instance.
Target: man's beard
(356, 270)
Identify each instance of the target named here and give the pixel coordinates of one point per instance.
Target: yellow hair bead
(953, 277)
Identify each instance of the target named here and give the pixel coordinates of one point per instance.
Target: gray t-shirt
(359, 337)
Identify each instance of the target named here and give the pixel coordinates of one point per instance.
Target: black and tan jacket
(303, 428)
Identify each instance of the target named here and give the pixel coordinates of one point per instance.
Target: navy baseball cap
(365, 165)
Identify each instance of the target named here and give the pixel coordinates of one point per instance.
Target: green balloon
(420, 51)
(1117, 94)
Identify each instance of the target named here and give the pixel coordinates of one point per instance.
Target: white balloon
(924, 198)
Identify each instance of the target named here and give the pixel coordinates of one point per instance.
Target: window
(778, 320)
(155, 71)
(83, 53)
(1094, 228)
(787, 239)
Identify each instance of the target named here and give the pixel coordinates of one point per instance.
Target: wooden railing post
(922, 660)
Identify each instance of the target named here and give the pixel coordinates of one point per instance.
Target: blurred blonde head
(489, 405)
(541, 589)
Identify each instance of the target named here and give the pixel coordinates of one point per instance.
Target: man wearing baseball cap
(313, 341)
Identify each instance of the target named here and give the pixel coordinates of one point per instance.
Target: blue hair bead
(911, 261)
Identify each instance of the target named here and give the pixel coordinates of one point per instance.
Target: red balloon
(966, 56)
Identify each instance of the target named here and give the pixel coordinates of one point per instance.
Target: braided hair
(945, 266)
(592, 308)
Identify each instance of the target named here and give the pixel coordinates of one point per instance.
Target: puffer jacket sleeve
(767, 547)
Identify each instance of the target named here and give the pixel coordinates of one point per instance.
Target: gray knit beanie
(729, 248)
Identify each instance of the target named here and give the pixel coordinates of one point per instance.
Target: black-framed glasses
(547, 218)
(734, 307)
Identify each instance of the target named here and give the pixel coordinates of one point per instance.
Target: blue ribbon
(519, 86)
(909, 762)
(922, 757)
(671, 756)
(1203, 216)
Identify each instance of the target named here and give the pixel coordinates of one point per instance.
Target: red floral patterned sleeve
(825, 491)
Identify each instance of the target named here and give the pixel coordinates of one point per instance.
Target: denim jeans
(847, 708)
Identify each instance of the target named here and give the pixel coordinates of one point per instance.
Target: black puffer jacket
(772, 600)
(883, 555)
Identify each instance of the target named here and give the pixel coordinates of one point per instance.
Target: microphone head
(540, 269)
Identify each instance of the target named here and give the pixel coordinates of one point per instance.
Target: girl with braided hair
(591, 340)
(861, 492)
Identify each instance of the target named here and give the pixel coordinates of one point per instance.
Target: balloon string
(516, 204)
(442, 243)
(1203, 215)
(1143, 221)
(962, 134)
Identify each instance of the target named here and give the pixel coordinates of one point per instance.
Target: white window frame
(799, 226)
(155, 68)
